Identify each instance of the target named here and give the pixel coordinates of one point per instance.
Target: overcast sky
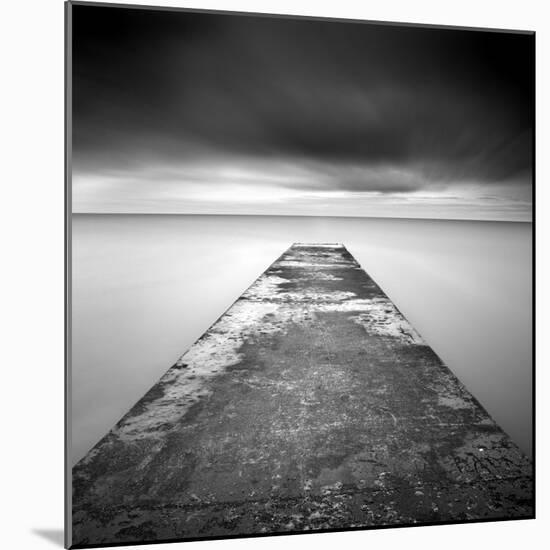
(213, 113)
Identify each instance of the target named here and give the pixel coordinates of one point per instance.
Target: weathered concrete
(311, 404)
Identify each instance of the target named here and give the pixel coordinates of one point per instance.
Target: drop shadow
(52, 535)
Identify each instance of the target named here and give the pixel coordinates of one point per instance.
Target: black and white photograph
(300, 274)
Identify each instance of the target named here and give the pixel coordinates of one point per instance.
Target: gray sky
(200, 113)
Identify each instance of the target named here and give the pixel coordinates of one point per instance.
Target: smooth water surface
(145, 287)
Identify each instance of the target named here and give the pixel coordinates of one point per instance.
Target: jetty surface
(310, 404)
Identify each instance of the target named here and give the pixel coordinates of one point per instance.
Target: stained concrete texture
(310, 404)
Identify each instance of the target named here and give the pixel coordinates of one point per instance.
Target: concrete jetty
(311, 404)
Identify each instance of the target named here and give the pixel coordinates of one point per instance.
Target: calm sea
(145, 287)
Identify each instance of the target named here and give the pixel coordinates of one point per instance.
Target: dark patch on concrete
(312, 404)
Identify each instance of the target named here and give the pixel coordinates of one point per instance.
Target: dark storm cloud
(356, 101)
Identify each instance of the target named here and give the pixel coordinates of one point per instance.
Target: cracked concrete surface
(310, 404)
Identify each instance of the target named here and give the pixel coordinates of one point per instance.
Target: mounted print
(299, 274)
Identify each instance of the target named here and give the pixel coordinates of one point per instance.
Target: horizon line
(297, 216)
